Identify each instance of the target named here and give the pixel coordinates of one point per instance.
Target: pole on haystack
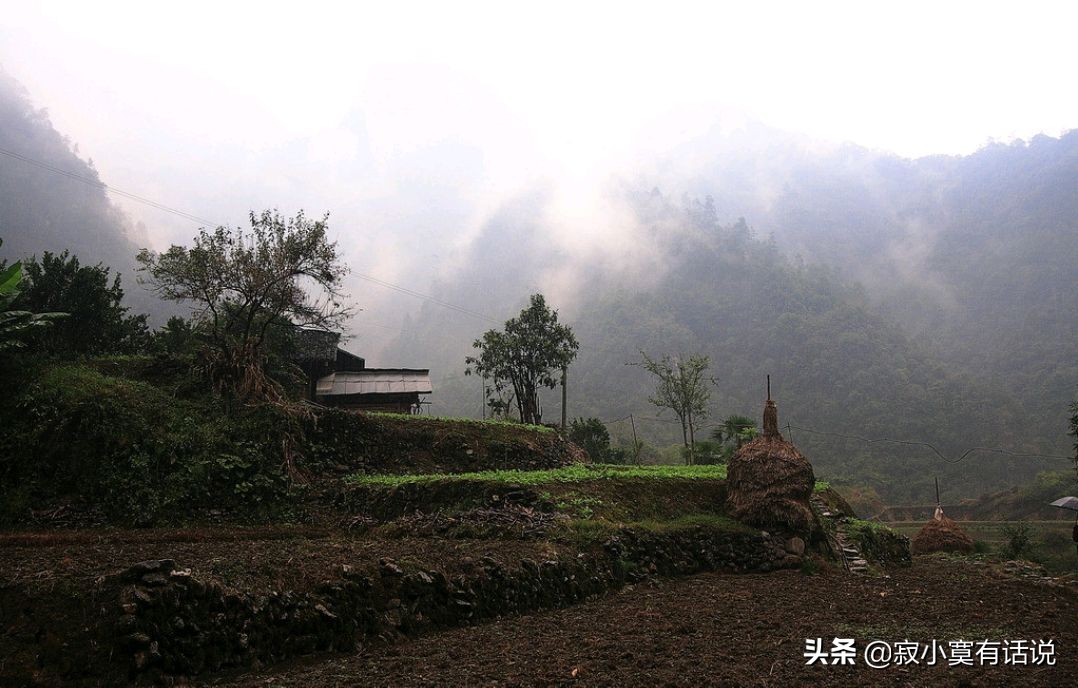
(771, 414)
(769, 483)
(939, 505)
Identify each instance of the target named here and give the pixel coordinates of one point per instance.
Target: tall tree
(682, 388)
(15, 324)
(98, 322)
(528, 354)
(280, 272)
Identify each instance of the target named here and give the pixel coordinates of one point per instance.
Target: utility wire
(467, 311)
(426, 297)
(918, 443)
(204, 222)
(102, 185)
(870, 440)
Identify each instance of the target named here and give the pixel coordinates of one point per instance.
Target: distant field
(1050, 541)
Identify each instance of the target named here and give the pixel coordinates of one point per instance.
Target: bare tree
(683, 389)
(280, 272)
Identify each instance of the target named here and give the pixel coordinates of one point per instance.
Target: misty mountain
(837, 366)
(972, 255)
(929, 299)
(44, 210)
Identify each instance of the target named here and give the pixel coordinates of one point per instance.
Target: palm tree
(735, 430)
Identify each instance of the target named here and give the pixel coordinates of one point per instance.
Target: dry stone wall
(171, 624)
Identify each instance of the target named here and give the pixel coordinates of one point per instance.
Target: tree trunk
(529, 409)
(692, 442)
(685, 440)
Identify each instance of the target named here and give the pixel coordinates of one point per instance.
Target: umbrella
(1067, 503)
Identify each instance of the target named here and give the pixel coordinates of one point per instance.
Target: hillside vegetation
(927, 300)
(972, 255)
(838, 365)
(139, 440)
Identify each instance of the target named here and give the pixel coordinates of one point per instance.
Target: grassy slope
(590, 501)
(140, 441)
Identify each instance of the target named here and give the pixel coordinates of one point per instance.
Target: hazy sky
(363, 108)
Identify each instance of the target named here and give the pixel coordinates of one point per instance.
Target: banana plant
(15, 324)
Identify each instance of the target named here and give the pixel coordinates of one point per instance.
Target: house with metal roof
(398, 390)
(342, 379)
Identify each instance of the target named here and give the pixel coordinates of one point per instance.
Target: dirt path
(729, 630)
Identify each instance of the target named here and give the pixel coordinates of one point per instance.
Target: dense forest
(971, 255)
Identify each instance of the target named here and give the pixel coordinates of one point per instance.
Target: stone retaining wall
(170, 624)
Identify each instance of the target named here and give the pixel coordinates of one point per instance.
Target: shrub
(1019, 541)
(135, 453)
(592, 436)
(710, 453)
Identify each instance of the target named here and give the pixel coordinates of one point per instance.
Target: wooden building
(342, 379)
(396, 390)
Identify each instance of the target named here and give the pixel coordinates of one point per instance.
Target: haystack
(941, 534)
(769, 483)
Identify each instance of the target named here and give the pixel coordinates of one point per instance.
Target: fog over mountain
(903, 295)
(42, 209)
(951, 362)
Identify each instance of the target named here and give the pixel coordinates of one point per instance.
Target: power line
(467, 311)
(426, 297)
(204, 222)
(102, 185)
(937, 452)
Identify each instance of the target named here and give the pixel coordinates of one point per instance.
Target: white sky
(914, 78)
(220, 107)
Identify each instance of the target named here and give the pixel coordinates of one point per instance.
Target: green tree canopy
(97, 322)
(282, 272)
(16, 325)
(592, 436)
(528, 354)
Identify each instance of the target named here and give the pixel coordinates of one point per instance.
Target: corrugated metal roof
(375, 381)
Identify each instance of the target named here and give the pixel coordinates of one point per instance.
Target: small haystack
(769, 483)
(941, 534)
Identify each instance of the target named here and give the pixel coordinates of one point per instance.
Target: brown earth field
(724, 629)
(249, 559)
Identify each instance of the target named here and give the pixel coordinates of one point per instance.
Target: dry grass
(943, 535)
(769, 484)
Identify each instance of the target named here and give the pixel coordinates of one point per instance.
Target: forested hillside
(836, 365)
(972, 255)
(45, 210)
